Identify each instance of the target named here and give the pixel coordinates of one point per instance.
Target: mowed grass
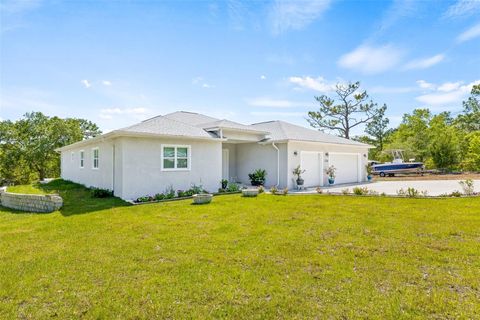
(269, 257)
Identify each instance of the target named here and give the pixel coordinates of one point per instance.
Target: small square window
(182, 163)
(182, 152)
(169, 152)
(175, 157)
(169, 163)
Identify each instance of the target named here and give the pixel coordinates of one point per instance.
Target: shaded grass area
(266, 257)
(76, 197)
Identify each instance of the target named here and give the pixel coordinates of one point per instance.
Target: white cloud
(425, 85)
(262, 77)
(199, 81)
(449, 86)
(397, 10)
(469, 34)
(295, 15)
(448, 93)
(274, 103)
(106, 83)
(137, 113)
(370, 60)
(462, 8)
(86, 83)
(317, 84)
(424, 63)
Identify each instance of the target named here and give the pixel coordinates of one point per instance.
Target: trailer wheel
(382, 174)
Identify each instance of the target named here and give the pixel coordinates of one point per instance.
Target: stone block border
(30, 202)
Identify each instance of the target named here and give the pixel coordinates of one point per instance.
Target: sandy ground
(413, 177)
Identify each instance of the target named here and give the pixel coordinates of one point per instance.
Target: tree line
(441, 140)
(27, 146)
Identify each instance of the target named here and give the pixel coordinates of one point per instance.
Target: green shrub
(285, 191)
(159, 196)
(233, 187)
(261, 189)
(144, 199)
(467, 186)
(360, 191)
(273, 190)
(257, 177)
(101, 193)
(455, 193)
(169, 193)
(345, 191)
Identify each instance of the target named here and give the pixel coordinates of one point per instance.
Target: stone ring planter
(250, 192)
(202, 198)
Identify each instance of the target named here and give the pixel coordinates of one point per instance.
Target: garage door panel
(311, 162)
(347, 167)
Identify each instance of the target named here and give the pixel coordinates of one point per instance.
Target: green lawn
(267, 257)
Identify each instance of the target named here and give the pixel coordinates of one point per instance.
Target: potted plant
(224, 183)
(297, 172)
(257, 177)
(330, 171)
(369, 170)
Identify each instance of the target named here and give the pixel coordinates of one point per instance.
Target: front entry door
(225, 164)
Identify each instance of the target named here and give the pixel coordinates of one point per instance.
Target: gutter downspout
(278, 163)
(113, 169)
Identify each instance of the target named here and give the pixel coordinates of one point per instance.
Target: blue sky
(118, 62)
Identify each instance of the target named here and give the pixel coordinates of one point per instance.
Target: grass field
(314, 256)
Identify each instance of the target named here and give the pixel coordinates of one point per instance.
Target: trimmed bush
(101, 193)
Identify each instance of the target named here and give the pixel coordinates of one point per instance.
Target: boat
(398, 165)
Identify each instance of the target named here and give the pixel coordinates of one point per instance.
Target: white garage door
(346, 165)
(312, 162)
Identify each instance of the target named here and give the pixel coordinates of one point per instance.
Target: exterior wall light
(295, 153)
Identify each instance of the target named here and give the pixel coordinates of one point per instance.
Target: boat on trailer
(398, 165)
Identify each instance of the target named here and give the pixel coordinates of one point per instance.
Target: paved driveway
(433, 187)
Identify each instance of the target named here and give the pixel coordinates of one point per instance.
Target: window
(95, 158)
(175, 157)
(82, 158)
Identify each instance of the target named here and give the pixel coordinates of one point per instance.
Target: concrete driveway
(433, 187)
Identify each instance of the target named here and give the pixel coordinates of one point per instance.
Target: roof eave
(121, 133)
(253, 131)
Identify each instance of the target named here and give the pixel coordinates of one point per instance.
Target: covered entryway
(312, 163)
(347, 165)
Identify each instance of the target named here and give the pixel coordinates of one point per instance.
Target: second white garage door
(346, 165)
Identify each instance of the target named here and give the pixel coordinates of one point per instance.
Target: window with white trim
(95, 158)
(175, 157)
(82, 158)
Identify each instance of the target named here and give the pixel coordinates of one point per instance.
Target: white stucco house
(184, 148)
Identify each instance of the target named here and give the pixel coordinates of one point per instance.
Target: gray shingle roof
(282, 131)
(190, 118)
(165, 126)
(227, 124)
